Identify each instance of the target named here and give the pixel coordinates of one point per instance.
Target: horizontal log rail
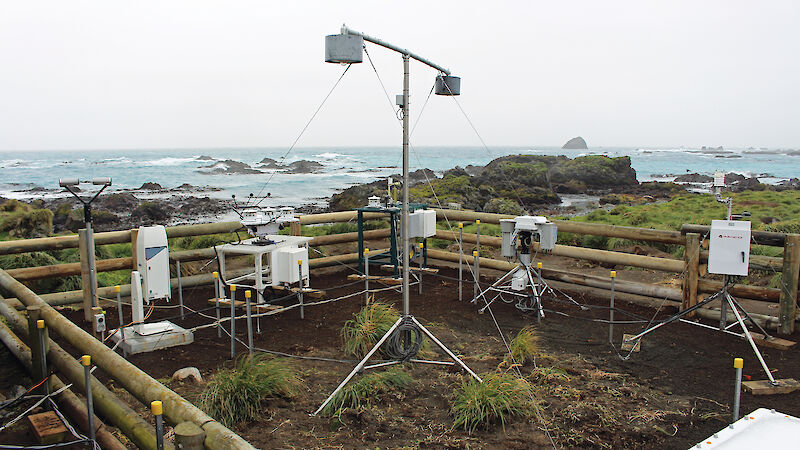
(769, 238)
(568, 226)
(111, 237)
(645, 300)
(112, 264)
(70, 297)
(604, 256)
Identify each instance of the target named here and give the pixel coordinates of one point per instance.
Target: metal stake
(157, 409)
(738, 364)
(300, 287)
(421, 245)
(43, 354)
(460, 256)
(366, 276)
(86, 360)
(233, 321)
(475, 289)
(611, 310)
(215, 276)
(180, 287)
(247, 295)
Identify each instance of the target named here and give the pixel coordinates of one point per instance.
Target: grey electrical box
(398, 99)
(547, 236)
(448, 85)
(507, 248)
(729, 247)
(99, 323)
(344, 48)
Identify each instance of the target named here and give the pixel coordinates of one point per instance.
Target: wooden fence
(691, 267)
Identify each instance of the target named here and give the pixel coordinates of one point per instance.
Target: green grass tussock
(366, 327)
(236, 395)
(525, 346)
(500, 398)
(359, 394)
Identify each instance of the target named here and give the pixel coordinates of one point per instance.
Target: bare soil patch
(674, 393)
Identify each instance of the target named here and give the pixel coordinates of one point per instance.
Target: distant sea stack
(576, 143)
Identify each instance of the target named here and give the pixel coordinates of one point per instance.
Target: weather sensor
(263, 222)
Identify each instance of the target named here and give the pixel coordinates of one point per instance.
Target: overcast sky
(166, 74)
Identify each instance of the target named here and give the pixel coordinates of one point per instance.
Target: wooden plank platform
(384, 280)
(240, 304)
(309, 292)
(764, 387)
(411, 269)
(774, 342)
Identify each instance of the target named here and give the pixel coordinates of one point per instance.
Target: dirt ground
(675, 392)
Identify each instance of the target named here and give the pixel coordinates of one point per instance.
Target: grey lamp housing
(344, 49)
(447, 85)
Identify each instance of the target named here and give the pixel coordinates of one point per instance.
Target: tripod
(402, 329)
(726, 301)
(523, 282)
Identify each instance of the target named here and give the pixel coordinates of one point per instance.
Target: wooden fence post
(294, 228)
(691, 255)
(86, 279)
(134, 237)
(791, 270)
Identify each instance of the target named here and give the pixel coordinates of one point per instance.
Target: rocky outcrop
(576, 143)
(148, 186)
(693, 178)
(304, 166)
(229, 167)
(356, 196)
(510, 183)
(269, 163)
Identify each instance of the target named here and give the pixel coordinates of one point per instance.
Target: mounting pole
(406, 305)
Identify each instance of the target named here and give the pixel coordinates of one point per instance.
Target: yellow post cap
(156, 407)
(117, 288)
(475, 253)
(539, 265)
(299, 262)
(40, 324)
(460, 224)
(366, 251)
(738, 363)
(477, 221)
(233, 287)
(247, 293)
(613, 274)
(215, 274)
(86, 360)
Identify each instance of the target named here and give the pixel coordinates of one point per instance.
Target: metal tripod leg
(749, 338)
(747, 316)
(360, 365)
(536, 296)
(495, 284)
(445, 349)
(675, 317)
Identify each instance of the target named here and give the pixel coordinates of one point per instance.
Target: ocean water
(343, 166)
